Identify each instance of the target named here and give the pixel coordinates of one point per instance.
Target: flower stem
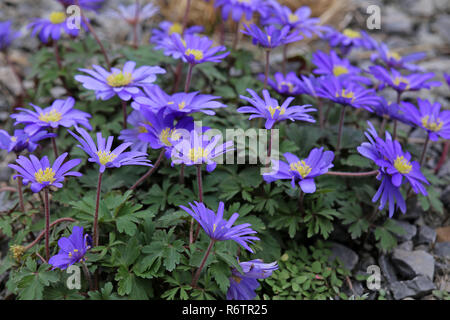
(320, 107)
(60, 66)
(149, 172)
(192, 239)
(125, 115)
(266, 72)
(186, 14)
(188, 78)
(176, 83)
(47, 223)
(97, 202)
(135, 26)
(19, 188)
(87, 274)
(202, 264)
(352, 174)
(55, 148)
(54, 223)
(236, 35)
(424, 151)
(181, 180)
(301, 196)
(341, 125)
(443, 157)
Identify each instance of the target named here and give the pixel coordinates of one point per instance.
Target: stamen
(57, 17)
(105, 156)
(47, 175)
(119, 79)
(272, 110)
(339, 70)
(51, 116)
(402, 165)
(351, 33)
(198, 54)
(432, 125)
(301, 167)
(176, 28)
(196, 154)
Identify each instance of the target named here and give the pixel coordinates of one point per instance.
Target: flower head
(272, 111)
(136, 120)
(389, 110)
(102, 154)
(85, 4)
(393, 59)
(349, 39)
(60, 113)
(243, 285)
(219, 229)
(124, 83)
(41, 174)
(72, 249)
(7, 35)
(304, 171)
(287, 85)
(134, 13)
(429, 117)
(238, 8)
(271, 37)
(198, 49)
(20, 140)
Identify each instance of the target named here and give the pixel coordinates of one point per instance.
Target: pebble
(417, 287)
(425, 235)
(347, 256)
(410, 231)
(442, 249)
(413, 263)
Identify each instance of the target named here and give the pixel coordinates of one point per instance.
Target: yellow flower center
(105, 156)
(269, 38)
(402, 165)
(393, 55)
(47, 175)
(293, 18)
(51, 116)
(348, 95)
(287, 84)
(142, 129)
(339, 70)
(198, 54)
(166, 134)
(13, 139)
(196, 154)
(301, 167)
(399, 80)
(119, 79)
(351, 33)
(432, 125)
(236, 278)
(176, 28)
(181, 105)
(272, 110)
(57, 17)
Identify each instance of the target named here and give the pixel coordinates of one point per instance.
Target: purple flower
(272, 111)
(271, 37)
(387, 192)
(60, 113)
(243, 285)
(136, 120)
(238, 8)
(447, 78)
(309, 85)
(161, 130)
(198, 148)
(331, 64)
(347, 93)
(286, 85)
(85, 4)
(429, 117)
(102, 154)
(349, 39)
(219, 229)
(21, 140)
(401, 83)
(198, 49)
(72, 249)
(123, 83)
(7, 35)
(299, 19)
(163, 40)
(390, 110)
(392, 59)
(304, 171)
(129, 14)
(41, 174)
(51, 28)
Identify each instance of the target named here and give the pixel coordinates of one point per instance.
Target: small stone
(387, 268)
(413, 263)
(396, 21)
(410, 231)
(407, 245)
(422, 8)
(346, 255)
(417, 287)
(442, 249)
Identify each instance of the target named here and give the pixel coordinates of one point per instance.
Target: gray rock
(410, 231)
(417, 287)
(407, 245)
(442, 249)
(5, 173)
(387, 268)
(423, 8)
(442, 27)
(346, 255)
(396, 21)
(413, 263)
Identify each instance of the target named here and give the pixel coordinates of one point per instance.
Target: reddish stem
(149, 172)
(352, 174)
(443, 157)
(97, 203)
(47, 223)
(202, 264)
(54, 223)
(125, 115)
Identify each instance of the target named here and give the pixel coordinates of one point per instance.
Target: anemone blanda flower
(331, 64)
(347, 93)
(299, 19)
(134, 13)
(393, 59)
(302, 171)
(389, 110)
(349, 39)
(219, 229)
(200, 148)
(161, 37)
(238, 8)
(7, 35)
(198, 49)
(136, 120)
(309, 85)
(287, 85)
(60, 113)
(72, 249)
(102, 154)
(161, 131)
(271, 37)
(41, 174)
(401, 83)
(85, 4)
(429, 117)
(243, 285)
(52, 27)
(124, 83)
(447, 78)
(20, 140)
(272, 111)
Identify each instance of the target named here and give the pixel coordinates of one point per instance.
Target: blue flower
(72, 249)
